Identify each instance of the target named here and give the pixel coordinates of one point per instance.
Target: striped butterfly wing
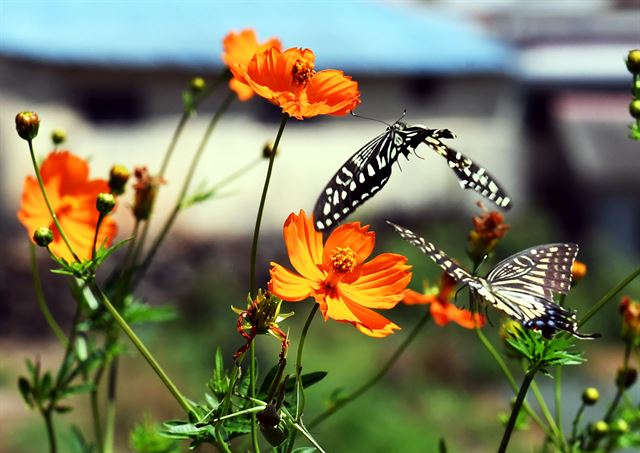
(438, 256)
(365, 173)
(524, 284)
(471, 175)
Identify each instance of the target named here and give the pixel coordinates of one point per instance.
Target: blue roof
(353, 36)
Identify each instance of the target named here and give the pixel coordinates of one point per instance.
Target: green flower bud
(267, 150)
(105, 203)
(600, 428)
(27, 124)
(633, 61)
(197, 85)
(590, 396)
(634, 108)
(58, 136)
(625, 378)
(118, 177)
(43, 236)
(620, 426)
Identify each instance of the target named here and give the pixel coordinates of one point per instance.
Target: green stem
(42, 302)
(236, 174)
(607, 297)
(95, 411)
(558, 401)
(142, 348)
(576, 422)
(374, 380)
(512, 382)
(50, 431)
(524, 387)
(546, 412)
(185, 188)
(252, 392)
(111, 406)
(95, 236)
(46, 199)
(621, 387)
(256, 231)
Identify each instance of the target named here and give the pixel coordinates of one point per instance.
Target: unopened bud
(105, 203)
(626, 377)
(267, 150)
(600, 428)
(634, 108)
(58, 136)
(197, 85)
(620, 426)
(118, 177)
(590, 396)
(43, 236)
(633, 61)
(27, 124)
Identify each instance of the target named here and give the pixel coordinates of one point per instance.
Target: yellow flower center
(302, 71)
(343, 259)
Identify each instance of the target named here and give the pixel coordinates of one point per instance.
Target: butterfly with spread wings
(521, 286)
(369, 169)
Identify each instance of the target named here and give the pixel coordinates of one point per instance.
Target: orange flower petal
(351, 235)
(333, 92)
(289, 286)
(243, 90)
(365, 320)
(463, 318)
(412, 297)
(304, 245)
(381, 283)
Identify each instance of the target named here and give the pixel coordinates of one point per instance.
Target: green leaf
(307, 380)
(139, 312)
(305, 450)
(78, 443)
(201, 195)
(104, 253)
(219, 382)
(25, 391)
(147, 437)
(77, 389)
(182, 430)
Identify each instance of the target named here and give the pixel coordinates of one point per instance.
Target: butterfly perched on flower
(521, 286)
(369, 169)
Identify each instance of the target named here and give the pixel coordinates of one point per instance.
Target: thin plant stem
(95, 411)
(142, 348)
(524, 387)
(46, 199)
(236, 174)
(111, 406)
(576, 422)
(608, 296)
(265, 188)
(252, 273)
(51, 435)
(299, 387)
(557, 405)
(42, 301)
(185, 188)
(374, 380)
(512, 382)
(95, 236)
(546, 412)
(621, 387)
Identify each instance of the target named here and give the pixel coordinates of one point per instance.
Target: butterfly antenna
(369, 118)
(404, 112)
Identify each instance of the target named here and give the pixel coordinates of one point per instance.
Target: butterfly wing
(523, 286)
(438, 256)
(365, 173)
(471, 175)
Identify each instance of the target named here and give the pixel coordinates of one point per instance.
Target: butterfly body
(369, 169)
(521, 286)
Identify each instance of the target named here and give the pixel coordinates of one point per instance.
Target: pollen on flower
(343, 259)
(302, 71)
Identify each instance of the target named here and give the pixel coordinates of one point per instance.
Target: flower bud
(267, 150)
(599, 428)
(58, 136)
(626, 377)
(105, 203)
(620, 426)
(634, 108)
(43, 236)
(488, 228)
(197, 85)
(590, 396)
(578, 271)
(146, 190)
(118, 177)
(27, 124)
(269, 417)
(633, 61)
(630, 310)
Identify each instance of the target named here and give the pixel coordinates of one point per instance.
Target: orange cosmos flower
(442, 310)
(337, 277)
(73, 198)
(239, 48)
(289, 80)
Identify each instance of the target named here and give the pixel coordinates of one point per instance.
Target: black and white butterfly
(521, 286)
(369, 169)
